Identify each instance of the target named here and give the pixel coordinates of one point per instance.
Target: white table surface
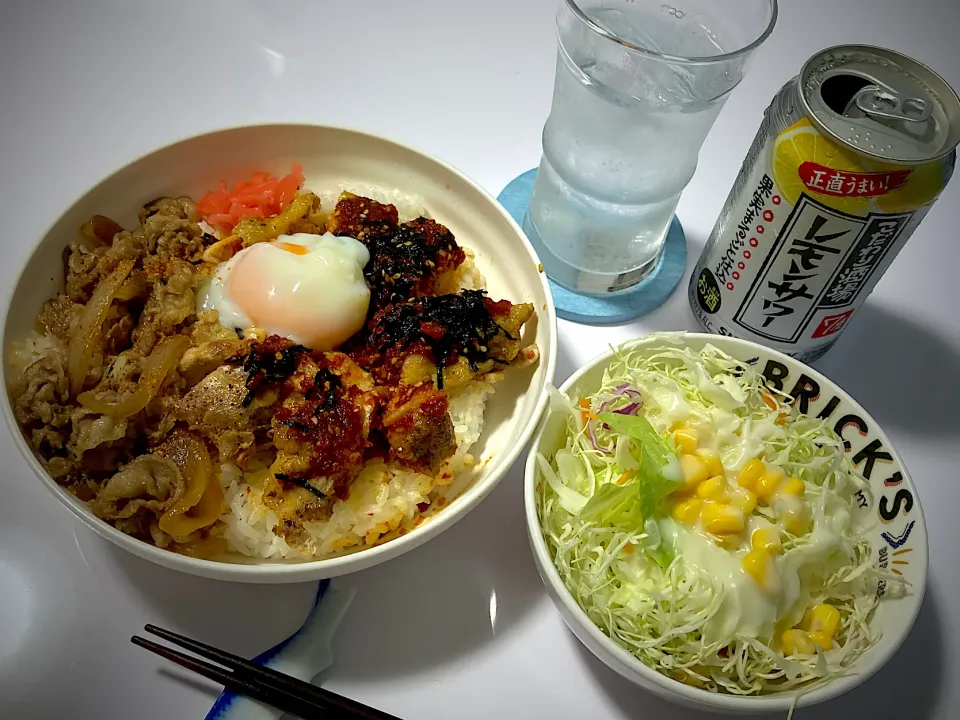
(87, 86)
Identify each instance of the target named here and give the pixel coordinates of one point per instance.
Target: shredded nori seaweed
(300, 482)
(273, 360)
(327, 387)
(450, 325)
(401, 260)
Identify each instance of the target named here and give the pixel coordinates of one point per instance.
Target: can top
(880, 103)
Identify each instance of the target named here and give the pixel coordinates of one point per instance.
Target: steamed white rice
(409, 207)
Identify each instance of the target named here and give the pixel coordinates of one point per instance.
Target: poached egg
(308, 288)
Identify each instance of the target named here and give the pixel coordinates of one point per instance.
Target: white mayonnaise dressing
(745, 609)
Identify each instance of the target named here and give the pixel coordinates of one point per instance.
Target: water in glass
(622, 140)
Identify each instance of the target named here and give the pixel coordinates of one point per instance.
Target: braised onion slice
(206, 548)
(204, 513)
(201, 503)
(154, 369)
(99, 230)
(134, 287)
(87, 335)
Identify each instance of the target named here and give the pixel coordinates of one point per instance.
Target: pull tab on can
(880, 104)
(874, 101)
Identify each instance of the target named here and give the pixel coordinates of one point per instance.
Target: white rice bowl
(385, 500)
(413, 508)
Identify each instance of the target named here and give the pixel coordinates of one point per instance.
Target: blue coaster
(618, 307)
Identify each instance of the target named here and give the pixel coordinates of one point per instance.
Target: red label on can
(827, 181)
(832, 324)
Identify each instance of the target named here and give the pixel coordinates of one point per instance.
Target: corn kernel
(744, 499)
(713, 462)
(713, 489)
(694, 471)
(796, 521)
(721, 519)
(686, 440)
(796, 642)
(759, 565)
(727, 542)
(687, 511)
(751, 473)
(795, 487)
(821, 640)
(768, 483)
(766, 538)
(822, 618)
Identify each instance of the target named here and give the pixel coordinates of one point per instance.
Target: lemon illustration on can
(922, 187)
(801, 143)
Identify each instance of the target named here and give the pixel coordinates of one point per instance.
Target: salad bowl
(886, 512)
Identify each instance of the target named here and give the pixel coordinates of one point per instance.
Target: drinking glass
(638, 85)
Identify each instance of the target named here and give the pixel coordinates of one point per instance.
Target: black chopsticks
(259, 683)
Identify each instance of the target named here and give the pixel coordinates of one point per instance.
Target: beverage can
(850, 156)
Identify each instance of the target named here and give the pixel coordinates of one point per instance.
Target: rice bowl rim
(295, 571)
(630, 667)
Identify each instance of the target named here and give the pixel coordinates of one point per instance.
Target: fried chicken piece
(270, 363)
(320, 433)
(348, 371)
(418, 367)
(504, 346)
(410, 262)
(353, 376)
(413, 341)
(319, 430)
(441, 242)
(361, 218)
(418, 428)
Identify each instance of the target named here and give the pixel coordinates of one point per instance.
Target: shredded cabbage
(603, 517)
